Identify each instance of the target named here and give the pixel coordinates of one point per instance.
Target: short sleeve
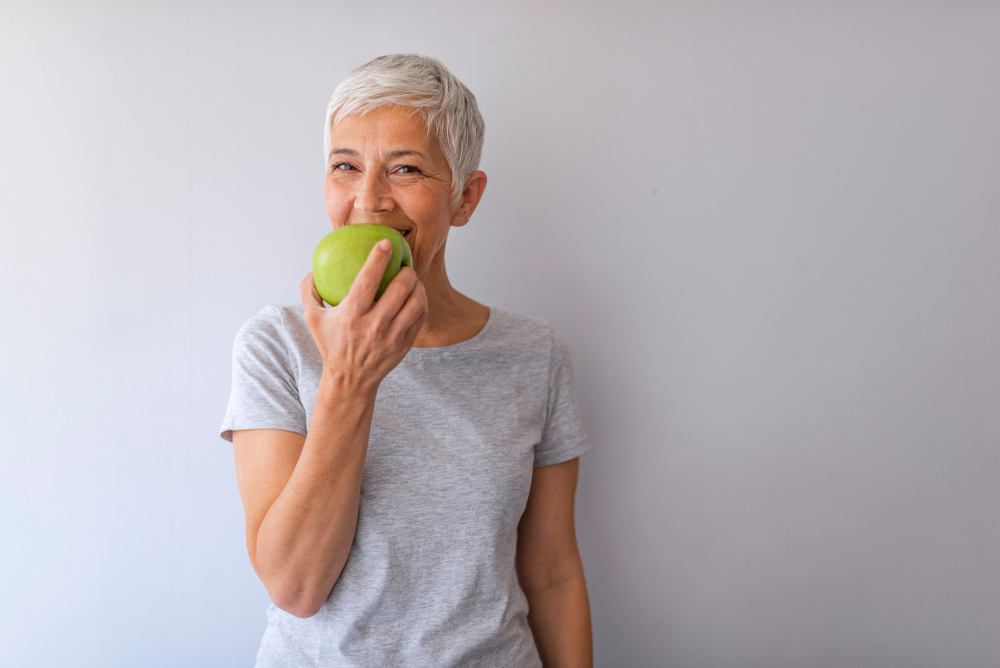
(264, 392)
(563, 437)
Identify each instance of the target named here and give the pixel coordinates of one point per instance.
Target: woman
(408, 465)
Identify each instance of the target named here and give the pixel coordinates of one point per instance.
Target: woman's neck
(451, 316)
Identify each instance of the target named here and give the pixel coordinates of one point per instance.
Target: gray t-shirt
(456, 432)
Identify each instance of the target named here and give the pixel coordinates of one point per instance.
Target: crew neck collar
(468, 343)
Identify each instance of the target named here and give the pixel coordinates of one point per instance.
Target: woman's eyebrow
(401, 154)
(351, 153)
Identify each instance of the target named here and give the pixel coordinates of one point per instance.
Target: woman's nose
(372, 195)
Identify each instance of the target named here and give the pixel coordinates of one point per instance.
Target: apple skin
(340, 255)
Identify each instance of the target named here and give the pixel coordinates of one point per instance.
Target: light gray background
(769, 231)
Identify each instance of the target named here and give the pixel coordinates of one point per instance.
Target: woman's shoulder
(538, 336)
(276, 316)
(522, 330)
(284, 325)
(510, 321)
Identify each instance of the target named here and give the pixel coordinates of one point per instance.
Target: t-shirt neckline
(472, 341)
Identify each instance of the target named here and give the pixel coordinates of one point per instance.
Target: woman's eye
(341, 166)
(407, 169)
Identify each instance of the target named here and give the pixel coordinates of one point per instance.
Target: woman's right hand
(301, 494)
(361, 340)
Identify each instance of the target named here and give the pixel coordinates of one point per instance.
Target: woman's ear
(471, 194)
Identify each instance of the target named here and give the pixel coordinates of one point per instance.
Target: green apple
(340, 255)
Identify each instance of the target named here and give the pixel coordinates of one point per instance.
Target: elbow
(301, 594)
(300, 603)
(553, 577)
(302, 611)
(302, 607)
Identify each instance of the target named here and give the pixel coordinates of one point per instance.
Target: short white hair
(425, 85)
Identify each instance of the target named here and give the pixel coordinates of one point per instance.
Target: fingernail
(385, 245)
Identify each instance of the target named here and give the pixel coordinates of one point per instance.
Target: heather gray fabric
(430, 579)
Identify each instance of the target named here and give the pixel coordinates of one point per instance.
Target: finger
(414, 331)
(396, 294)
(362, 293)
(411, 316)
(307, 290)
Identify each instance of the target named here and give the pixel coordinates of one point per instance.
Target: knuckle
(395, 288)
(370, 335)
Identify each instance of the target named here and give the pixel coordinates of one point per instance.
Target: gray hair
(425, 85)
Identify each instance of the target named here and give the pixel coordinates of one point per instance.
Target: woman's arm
(550, 571)
(300, 498)
(301, 493)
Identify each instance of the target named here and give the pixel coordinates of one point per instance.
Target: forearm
(304, 539)
(559, 616)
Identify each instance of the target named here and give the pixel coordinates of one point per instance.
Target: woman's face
(384, 167)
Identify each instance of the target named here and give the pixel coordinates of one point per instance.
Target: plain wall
(769, 231)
